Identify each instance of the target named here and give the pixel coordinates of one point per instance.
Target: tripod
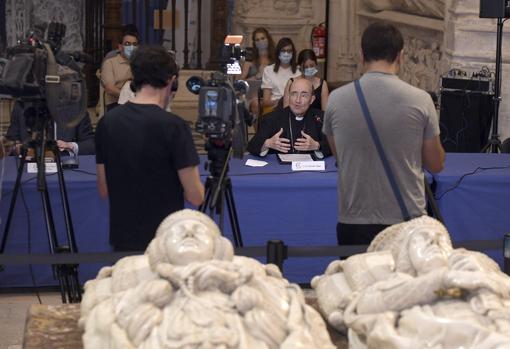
(494, 143)
(67, 275)
(218, 188)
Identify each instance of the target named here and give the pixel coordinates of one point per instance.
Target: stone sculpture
(189, 291)
(427, 8)
(413, 290)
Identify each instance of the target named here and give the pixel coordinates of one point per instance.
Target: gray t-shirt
(404, 116)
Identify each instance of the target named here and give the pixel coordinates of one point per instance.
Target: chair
(505, 146)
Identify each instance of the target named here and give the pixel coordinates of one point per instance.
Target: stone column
(470, 44)
(343, 40)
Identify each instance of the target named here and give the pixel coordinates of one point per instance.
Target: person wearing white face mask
(276, 75)
(263, 55)
(307, 62)
(115, 71)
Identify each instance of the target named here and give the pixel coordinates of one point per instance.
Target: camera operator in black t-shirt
(146, 160)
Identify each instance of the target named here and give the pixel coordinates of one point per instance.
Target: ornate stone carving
(422, 63)
(289, 18)
(428, 8)
(412, 290)
(189, 291)
(23, 15)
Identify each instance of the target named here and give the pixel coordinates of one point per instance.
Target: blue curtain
(152, 36)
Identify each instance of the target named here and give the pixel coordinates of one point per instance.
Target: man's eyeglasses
(296, 94)
(127, 43)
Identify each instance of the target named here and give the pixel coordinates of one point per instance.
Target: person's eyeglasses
(286, 51)
(296, 94)
(127, 43)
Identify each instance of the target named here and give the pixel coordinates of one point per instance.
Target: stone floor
(13, 312)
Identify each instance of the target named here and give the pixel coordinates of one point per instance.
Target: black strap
(380, 150)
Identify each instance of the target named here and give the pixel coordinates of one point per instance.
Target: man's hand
(279, 144)
(306, 143)
(65, 146)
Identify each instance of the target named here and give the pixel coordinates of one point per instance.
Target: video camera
(222, 115)
(38, 73)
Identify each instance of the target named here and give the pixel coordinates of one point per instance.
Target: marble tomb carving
(189, 291)
(413, 290)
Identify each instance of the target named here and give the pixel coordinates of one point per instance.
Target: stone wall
(22, 15)
(283, 18)
(423, 40)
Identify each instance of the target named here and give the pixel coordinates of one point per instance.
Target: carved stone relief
(427, 8)
(422, 63)
(282, 18)
(23, 15)
(17, 13)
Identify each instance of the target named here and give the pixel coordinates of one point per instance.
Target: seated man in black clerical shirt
(295, 129)
(76, 140)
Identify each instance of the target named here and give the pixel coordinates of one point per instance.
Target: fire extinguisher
(319, 40)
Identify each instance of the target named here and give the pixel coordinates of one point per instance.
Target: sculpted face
(189, 241)
(428, 251)
(300, 96)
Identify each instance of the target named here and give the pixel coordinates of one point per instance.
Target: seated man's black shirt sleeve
(267, 129)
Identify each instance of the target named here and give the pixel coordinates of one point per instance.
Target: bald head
(300, 96)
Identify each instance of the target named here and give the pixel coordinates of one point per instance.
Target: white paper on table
(255, 163)
(295, 157)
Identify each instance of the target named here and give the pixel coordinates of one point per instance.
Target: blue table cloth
(272, 202)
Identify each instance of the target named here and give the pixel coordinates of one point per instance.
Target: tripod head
(37, 119)
(218, 155)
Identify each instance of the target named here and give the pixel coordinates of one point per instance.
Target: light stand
(494, 144)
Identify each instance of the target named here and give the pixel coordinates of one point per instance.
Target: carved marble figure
(427, 8)
(413, 290)
(189, 291)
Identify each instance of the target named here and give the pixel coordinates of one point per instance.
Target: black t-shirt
(142, 147)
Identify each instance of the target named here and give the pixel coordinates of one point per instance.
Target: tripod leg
(65, 204)
(232, 212)
(59, 270)
(68, 274)
(15, 191)
(220, 203)
(207, 198)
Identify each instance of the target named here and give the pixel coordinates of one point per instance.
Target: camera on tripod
(222, 113)
(50, 87)
(37, 72)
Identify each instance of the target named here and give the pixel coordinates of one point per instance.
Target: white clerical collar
(299, 118)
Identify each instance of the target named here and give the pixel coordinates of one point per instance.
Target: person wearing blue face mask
(276, 75)
(115, 71)
(307, 62)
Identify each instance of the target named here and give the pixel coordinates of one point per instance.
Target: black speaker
(465, 120)
(494, 8)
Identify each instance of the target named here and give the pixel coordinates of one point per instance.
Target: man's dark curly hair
(152, 65)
